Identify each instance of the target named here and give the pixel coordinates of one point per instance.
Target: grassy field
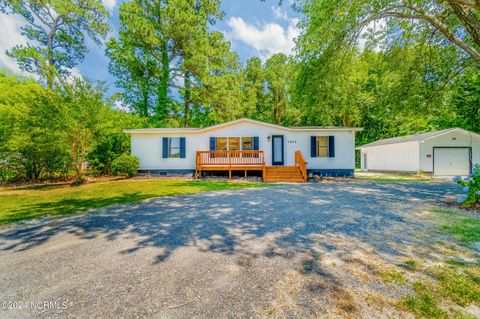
(444, 287)
(465, 229)
(56, 199)
(391, 177)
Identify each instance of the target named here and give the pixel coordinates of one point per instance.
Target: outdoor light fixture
(268, 138)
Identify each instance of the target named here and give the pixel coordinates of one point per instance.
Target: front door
(277, 150)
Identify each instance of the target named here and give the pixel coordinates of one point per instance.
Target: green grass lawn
(464, 228)
(35, 201)
(390, 177)
(449, 280)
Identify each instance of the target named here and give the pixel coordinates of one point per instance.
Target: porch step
(291, 174)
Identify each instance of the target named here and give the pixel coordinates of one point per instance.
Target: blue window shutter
(165, 147)
(256, 143)
(182, 147)
(213, 142)
(313, 146)
(331, 146)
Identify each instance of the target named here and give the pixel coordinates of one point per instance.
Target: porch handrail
(302, 164)
(230, 158)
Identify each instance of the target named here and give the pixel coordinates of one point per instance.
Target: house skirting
(339, 172)
(319, 172)
(166, 171)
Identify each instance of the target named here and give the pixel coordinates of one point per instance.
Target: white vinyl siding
(419, 156)
(453, 139)
(147, 147)
(401, 157)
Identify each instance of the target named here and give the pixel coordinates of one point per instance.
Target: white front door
(451, 161)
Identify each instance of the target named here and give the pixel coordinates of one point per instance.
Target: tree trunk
(79, 154)
(187, 98)
(469, 20)
(161, 111)
(417, 13)
(50, 72)
(37, 170)
(144, 107)
(78, 173)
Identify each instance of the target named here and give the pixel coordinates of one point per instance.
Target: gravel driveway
(284, 251)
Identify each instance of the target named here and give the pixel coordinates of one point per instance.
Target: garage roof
(415, 138)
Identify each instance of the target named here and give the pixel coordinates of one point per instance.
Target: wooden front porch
(248, 161)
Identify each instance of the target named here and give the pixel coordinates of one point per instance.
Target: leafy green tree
(466, 101)
(253, 85)
(277, 70)
(388, 93)
(57, 33)
(79, 110)
(136, 74)
(331, 24)
(223, 94)
(163, 47)
(111, 142)
(28, 134)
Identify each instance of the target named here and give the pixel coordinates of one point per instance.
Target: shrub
(11, 167)
(125, 164)
(471, 187)
(105, 151)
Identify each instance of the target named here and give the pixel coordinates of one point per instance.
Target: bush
(471, 187)
(125, 164)
(109, 148)
(11, 167)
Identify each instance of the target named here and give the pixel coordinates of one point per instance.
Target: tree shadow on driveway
(290, 216)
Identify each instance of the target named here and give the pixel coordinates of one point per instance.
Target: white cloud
(75, 73)
(267, 39)
(11, 36)
(279, 13)
(119, 105)
(109, 4)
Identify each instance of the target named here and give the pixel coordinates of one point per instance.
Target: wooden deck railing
(230, 158)
(302, 164)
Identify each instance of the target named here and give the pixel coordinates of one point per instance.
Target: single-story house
(448, 152)
(281, 153)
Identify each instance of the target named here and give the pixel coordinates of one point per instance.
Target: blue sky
(254, 28)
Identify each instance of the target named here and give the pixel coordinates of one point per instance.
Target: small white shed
(448, 152)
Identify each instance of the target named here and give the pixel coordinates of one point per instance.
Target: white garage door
(451, 161)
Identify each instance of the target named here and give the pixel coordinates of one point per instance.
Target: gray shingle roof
(409, 138)
(193, 129)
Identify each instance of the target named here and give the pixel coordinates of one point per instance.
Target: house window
(221, 144)
(174, 147)
(234, 143)
(247, 143)
(322, 146)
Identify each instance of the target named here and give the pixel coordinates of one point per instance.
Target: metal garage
(449, 152)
